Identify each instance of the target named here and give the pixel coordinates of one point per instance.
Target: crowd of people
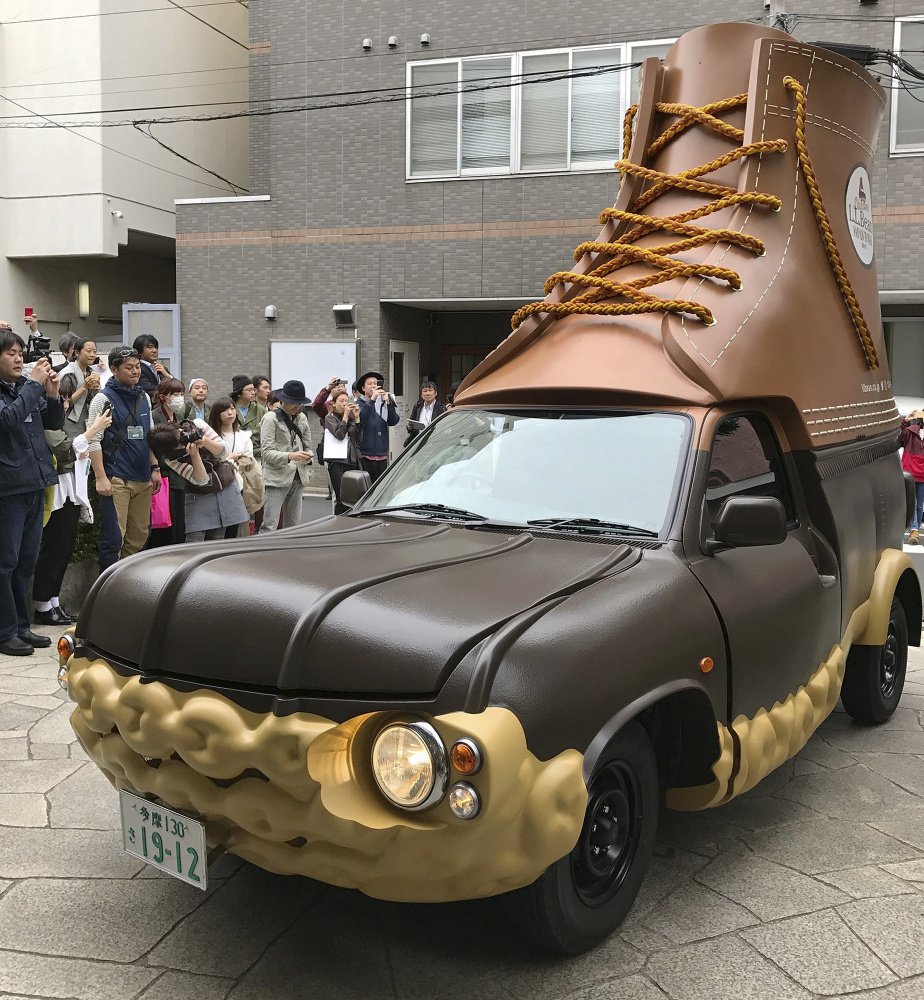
(169, 464)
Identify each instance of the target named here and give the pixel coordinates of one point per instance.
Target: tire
(875, 675)
(584, 896)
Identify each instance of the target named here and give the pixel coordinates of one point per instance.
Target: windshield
(526, 466)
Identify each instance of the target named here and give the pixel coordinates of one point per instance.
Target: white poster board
(314, 362)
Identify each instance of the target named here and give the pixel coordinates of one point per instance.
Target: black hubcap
(889, 663)
(610, 837)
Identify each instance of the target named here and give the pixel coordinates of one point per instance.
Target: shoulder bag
(250, 481)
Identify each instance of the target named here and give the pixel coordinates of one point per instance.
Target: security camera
(270, 312)
(117, 215)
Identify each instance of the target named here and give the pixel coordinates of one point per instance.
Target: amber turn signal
(66, 648)
(706, 664)
(465, 757)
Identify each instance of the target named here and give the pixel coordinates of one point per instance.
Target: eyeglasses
(126, 352)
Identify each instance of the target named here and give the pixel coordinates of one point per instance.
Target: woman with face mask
(168, 404)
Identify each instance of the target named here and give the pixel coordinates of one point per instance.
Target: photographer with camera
(193, 450)
(127, 474)
(28, 406)
(377, 412)
(912, 443)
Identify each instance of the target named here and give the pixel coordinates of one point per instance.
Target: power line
(102, 145)
(616, 39)
(504, 79)
(146, 130)
(201, 20)
(378, 97)
(130, 76)
(110, 13)
(360, 98)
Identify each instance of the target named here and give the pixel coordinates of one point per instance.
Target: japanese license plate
(167, 840)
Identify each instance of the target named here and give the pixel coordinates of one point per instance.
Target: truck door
(781, 612)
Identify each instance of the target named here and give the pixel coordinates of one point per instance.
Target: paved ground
(810, 886)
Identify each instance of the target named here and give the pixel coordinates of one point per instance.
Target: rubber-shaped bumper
(295, 795)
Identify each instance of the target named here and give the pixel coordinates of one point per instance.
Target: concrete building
(437, 217)
(87, 217)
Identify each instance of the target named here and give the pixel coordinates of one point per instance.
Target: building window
(907, 106)
(572, 121)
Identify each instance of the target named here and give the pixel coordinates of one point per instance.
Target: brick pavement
(811, 885)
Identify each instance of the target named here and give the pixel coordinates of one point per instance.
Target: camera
(37, 347)
(189, 433)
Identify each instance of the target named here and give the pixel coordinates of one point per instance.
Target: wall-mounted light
(83, 299)
(367, 45)
(425, 39)
(344, 315)
(392, 41)
(271, 313)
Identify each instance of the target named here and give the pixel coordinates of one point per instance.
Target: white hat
(192, 382)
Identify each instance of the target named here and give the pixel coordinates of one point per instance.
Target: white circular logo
(859, 207)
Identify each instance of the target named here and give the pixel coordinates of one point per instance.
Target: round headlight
(409, 764)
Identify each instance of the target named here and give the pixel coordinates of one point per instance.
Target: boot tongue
(703, 67)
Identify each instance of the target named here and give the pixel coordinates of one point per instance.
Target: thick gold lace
(665, 267)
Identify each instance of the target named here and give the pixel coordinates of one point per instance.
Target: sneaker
(913, 538)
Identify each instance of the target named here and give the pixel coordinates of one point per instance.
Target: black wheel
(875, 675)
(584, 897)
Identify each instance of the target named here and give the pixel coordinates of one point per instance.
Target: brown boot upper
(773, 294)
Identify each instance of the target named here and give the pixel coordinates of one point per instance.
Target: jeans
(125, 520)
(20, 540)
(918, 506)
(287, 499)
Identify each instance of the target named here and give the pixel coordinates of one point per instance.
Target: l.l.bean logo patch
(859, 208)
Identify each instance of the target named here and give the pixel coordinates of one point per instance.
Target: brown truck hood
(341, 606)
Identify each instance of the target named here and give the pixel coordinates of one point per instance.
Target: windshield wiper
(591, 525)
(432, 509)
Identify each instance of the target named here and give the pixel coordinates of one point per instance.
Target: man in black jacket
(427, 408)
(28, 407)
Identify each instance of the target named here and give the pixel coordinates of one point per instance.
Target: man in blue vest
(28, 406)
(127, 473)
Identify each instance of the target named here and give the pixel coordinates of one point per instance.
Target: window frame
(516, 69)
(895, 148)
(765, 432)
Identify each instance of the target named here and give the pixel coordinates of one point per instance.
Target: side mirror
(747, 521)
(353, 486)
